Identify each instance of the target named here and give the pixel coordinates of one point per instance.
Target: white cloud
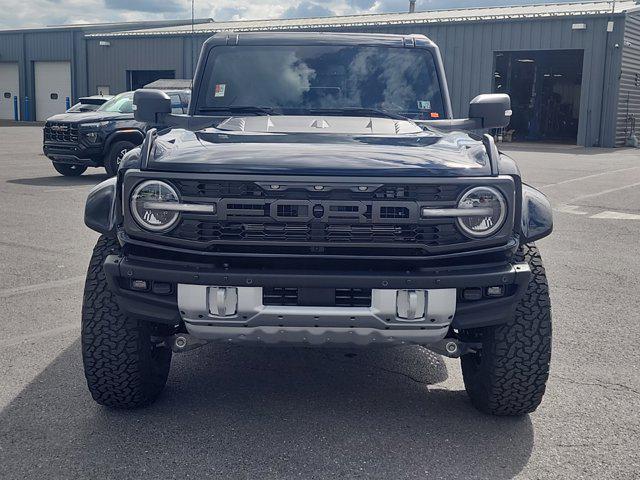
(36, 13)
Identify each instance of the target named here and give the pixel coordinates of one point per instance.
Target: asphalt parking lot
(233, 412)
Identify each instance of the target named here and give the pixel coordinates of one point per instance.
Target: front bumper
(186, 300)
(73, 153)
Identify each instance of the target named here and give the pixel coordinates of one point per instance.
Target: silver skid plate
(237, 314)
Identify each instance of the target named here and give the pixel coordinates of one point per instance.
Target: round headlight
(147, 201)
(491, 211)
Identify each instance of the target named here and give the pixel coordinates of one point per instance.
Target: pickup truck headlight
(491, 211)
(93, 126)
(93, 137)
(91, 131)
(147, 202)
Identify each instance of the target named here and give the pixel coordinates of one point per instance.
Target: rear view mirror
(151, 106)
(492, 110)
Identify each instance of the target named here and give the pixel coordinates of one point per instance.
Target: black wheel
(69, 170)
(125, 364)
(509, 374)
(115, 155)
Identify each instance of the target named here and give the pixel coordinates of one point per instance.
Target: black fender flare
(537, 215)
(100, 210)
(130, 134)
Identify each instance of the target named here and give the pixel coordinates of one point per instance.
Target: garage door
(53, 86)
(9, 87)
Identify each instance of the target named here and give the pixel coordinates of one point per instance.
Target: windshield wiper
(368, 112)
(242, 109)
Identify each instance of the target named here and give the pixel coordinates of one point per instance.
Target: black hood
(87, 117)
(276, 153)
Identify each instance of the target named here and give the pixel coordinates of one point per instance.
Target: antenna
(193, 21)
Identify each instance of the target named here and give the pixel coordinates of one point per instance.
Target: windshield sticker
(424, 105)
(220, 88)
(435, 115)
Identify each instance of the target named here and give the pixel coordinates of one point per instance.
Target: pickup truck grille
(60, 132)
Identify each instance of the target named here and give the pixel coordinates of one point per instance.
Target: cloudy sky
(35, 13)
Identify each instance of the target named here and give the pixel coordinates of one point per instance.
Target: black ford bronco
(318, 192)
(74, 141)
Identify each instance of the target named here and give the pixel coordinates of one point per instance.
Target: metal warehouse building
(40, 68)
(572, 69)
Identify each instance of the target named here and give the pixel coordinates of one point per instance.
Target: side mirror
(151, 106)
(493, 110)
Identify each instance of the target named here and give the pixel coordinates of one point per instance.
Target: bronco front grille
(60, 132)
(437, 234)
(322, 217)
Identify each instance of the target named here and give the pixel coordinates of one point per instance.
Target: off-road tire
(509, 374)
(69, 170)
(113, 158)
(124, 364)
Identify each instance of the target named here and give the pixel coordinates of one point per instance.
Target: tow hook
(183, 342)
(453, 348)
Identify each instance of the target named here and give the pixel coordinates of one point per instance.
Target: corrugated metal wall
(108, 65)
(467, 49)
(25, 48)
(28, 47)
(629, 96)
(468, 54)
(55, 44)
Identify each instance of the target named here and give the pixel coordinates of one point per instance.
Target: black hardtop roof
(319, 38)
(165, 90)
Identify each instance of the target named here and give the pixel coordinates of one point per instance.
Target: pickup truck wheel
(123, 365)
(69, 170)
(509, 374)
(115, 155)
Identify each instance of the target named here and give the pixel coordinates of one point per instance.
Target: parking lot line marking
(616, 215)
(604, 192)
(66, 189)
(37, 335)
(572, 209)
(587, 177)
(9, 292)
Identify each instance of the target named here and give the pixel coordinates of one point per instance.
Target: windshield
(83, 107)
(122, 103)
(309, 79)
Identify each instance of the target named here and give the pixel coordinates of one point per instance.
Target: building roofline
(455, 15)
(109, 26)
